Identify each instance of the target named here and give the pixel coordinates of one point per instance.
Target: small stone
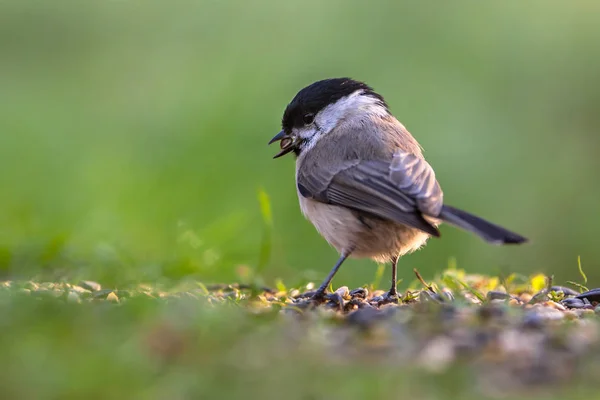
(334, 305)
(73, 297)
(90, 285)
(590, 295)
(440, 297)
(438, 354)
(353, 304)
(447, 293)
(494, 295)
(525, 297)
(335, 300)
(101, 294)
(112, 297)
(80, 290)
(539, 297)
(426, 295)
(567, 291)
(573, 302)
(31, 285)
(376, 299)
(472, 298)
(555, 305)
(360, 293)
(514, 302)
(343, 292)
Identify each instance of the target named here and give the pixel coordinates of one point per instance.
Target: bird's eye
(308, 118)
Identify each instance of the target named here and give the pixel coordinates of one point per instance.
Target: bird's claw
(311, 300)
(390, 298)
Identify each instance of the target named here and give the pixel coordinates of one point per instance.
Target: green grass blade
(581, 287)
(378, 276)
(266, 243)
(581, 270)
(471, 290)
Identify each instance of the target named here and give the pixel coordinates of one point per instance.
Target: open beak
(287, 143)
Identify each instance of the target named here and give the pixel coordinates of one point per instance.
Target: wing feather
(402, 191)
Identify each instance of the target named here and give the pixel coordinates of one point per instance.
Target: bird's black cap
(319, 95)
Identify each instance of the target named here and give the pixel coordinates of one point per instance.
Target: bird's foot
(311, 300)
(390, 297)
(318, 298)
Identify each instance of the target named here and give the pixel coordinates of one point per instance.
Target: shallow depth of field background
(133, 134)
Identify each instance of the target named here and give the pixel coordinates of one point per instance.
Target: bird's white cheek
(309, 137)
(307, 133)
(328, 119)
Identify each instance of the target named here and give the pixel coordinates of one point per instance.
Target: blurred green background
(133, 133)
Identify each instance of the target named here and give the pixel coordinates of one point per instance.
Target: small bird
(362, 180)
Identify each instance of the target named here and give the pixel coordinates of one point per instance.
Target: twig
(420, 278)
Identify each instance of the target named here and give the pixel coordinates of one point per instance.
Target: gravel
(508, 341)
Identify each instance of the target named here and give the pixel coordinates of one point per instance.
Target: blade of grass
(452, 263)
(451, 284)
(280, 285)
(504, 282)
(471, 290)
(420, 278)
(409, 296)
(378, 276)
(578, 286)
(581, 270)
(266, 241)
(203, 288)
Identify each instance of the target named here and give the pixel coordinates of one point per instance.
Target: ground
(459, 336)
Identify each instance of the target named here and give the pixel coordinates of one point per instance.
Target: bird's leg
(392, 295)
(392, 292)
(319, 295)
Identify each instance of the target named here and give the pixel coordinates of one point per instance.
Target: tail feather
(488, 231)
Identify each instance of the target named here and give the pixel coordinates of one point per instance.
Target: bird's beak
(277, 137)
(287, 143)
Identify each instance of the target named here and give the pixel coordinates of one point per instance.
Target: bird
(362, 179)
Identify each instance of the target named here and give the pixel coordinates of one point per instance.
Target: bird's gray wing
(402, 190)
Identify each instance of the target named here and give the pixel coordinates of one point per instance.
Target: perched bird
(362, 179)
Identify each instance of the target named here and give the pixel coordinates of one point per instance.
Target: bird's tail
(491, 233)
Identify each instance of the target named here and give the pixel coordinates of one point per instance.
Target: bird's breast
(368, 236)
